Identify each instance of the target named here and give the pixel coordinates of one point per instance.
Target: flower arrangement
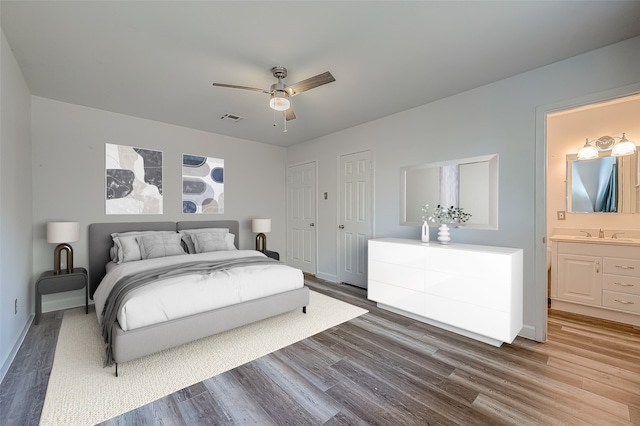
(445, 214)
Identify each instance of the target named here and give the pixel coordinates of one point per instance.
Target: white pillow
(230, 239)
(188, 240)
(126, 248)
(205, 242)
(159, 245)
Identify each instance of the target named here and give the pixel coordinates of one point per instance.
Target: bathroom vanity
(471, 290)
(599, 277)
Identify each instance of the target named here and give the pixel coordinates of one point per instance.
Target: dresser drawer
(619, 266)
(397, 275)
(479, 291)
(621, 283)
(472, 264)
(397, 254)
(477, 319)
(621, 301)
(398, 297)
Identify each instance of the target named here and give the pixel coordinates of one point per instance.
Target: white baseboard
(327, 277)
(528, 332)
(15, 349)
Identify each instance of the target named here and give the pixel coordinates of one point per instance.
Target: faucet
(601, 233)
(615, 235)
(586, 232)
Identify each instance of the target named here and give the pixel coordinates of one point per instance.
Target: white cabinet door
(580, 278)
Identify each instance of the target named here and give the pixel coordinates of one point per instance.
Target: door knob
(341, 226)
(312, 224)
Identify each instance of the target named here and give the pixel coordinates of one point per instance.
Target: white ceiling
(157, 60)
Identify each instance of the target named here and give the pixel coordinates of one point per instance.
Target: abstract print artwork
(133, 180)
(202, 184)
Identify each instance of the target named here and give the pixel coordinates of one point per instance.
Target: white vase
(443, 234)
(425, 232)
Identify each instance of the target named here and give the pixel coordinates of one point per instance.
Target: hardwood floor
(383, 368)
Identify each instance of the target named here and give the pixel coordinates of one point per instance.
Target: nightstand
(272, 254)
(49, 283)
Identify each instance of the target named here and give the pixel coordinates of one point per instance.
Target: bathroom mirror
(470, 183)
(604, 184)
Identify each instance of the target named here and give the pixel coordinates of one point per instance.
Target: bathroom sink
(596, 240)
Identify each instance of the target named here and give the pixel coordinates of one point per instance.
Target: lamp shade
(280, 101)
(261, 225)
(624, 147)
(63, 232)
(587, 152)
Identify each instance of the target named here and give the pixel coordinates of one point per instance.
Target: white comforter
(178, 297)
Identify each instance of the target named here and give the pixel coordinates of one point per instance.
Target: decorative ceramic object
(443, 234)
(444, 215)
(425, 232)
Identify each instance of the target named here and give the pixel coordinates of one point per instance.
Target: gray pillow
(188, 240)
(152, 246)
(126, 247)
(205, 242)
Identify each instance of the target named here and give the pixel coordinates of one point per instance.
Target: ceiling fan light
(587, 152)
(280, 101)
(624, 147)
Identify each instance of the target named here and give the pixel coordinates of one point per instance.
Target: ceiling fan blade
(289, 114)
(233, 86)
(310, 83)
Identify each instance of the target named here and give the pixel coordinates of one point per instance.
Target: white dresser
(472, 290)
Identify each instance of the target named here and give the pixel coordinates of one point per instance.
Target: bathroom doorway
(562, 130)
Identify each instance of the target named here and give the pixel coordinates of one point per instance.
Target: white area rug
(82, 392)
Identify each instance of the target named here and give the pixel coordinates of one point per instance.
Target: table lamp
(261, 226)
(63, 233)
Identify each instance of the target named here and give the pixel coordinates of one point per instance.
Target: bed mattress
(178, 297)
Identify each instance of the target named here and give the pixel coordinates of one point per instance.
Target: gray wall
(15, 207)
(69, 177)
(496, 118)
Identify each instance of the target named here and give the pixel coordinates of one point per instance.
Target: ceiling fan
(280, 92)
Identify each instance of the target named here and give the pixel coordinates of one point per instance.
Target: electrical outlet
(15, 310)
(561, 215)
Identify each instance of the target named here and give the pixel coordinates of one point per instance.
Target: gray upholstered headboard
(100, 241)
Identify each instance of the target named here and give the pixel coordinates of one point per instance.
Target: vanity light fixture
(591, 149)
(623, 147)
(588, 151)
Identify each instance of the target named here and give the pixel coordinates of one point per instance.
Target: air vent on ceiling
(231, 117)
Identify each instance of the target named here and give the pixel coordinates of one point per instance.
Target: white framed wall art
(133, 180)
(202, 184)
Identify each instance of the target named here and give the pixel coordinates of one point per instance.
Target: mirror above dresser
(470, 183)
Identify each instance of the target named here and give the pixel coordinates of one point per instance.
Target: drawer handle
(623, 284)
(624, 302)
(625, 267)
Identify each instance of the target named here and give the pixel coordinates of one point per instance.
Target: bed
(131, 342)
